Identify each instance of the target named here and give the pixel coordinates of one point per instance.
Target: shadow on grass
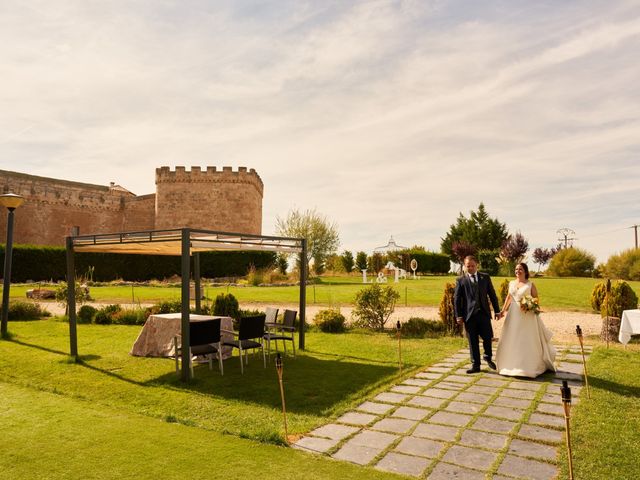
(311, 384)
(614, 387)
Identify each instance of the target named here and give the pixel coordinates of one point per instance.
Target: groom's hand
(460, 320)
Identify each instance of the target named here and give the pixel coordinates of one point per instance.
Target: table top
(178, 316)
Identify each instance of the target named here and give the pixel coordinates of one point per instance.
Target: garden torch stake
(606, 297)
(284, 408)
(399, 345)
(566, 403)
(584, 361)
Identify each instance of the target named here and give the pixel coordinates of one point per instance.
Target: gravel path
(562, 324)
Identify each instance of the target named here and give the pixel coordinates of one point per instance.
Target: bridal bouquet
(529, 304)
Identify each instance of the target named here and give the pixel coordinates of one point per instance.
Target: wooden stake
(284, 408)
(399, 345)
(566, 403)
(606, 297)
(584, 360)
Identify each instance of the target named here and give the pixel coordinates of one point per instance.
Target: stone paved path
(442, 423)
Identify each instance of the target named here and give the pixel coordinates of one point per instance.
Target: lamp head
(578, 331)
(608, 288)
(398, 325)
(278, 362)
(11, 200)
(566, 392)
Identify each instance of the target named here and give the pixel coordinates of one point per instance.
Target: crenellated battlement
(209, 175)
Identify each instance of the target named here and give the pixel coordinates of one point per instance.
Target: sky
(389, 117)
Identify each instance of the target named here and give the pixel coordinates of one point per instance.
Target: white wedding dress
(525, 348)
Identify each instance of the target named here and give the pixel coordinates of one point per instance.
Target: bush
(417, 327)
(26, 311)
(86, 314)
(621, 297)
(447, 311)
(105, 315)
(374, 305)
(572, 262)
(330, 321)
(167, 306)
(503, 291)
(226, 305)
(130, 316)
(597, 295)
(625, 265)
(488, 260)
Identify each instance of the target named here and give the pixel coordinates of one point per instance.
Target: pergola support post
(196, 278)
(185, 252)
(71, 300)
(303, 293)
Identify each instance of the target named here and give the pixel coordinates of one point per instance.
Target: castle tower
(210, 199)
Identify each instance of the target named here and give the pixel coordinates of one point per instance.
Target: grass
(555, 293)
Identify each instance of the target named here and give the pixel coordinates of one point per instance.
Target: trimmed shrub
(167, 306)
(130, 316)
(86, 314)
(597, 295)
(226, 305)
(417, 327)
(374, 305)
(105, 315)
(621, 297)
(572, 262)
(503, 291)
(625, 265)
(447, 311)
(26, 311)
(330, 321)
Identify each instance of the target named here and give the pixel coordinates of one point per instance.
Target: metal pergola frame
(183, 242)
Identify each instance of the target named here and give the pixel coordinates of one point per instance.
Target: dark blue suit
(472, 304)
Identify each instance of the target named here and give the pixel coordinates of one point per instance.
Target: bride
(525, 348)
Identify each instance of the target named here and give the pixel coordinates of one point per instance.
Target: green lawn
(555, 293)
(117, 416)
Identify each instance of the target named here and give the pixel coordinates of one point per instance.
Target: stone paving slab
(374, 407)
(547, 420)
(449, 418)
(473, 397)
(435, 432)
(540, 433)
(521, 467)
(493, 425)
(391, 397)
(531, 449)
(460, 378)
(357, 453)
(416, 382)
(428, 375)
(576, 368)
(315, 444)
(481, 389)
(469, 457)
(448, 386)
(491, 382)
(403, 464)
(335, 432)
(438, 393)
(526, 394)
(577, 357)
(411, 413)
(464, 407)
(503, 401)
(357, 418)
(438, 369)
(406, 389)
(531, 385)
(551, 408)
(445, 471)
(475, 438)
(422, 447)
(504, 412)
(396, 425)
(379, 440)
(430, 402)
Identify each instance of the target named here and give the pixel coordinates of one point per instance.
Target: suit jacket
(464, 301)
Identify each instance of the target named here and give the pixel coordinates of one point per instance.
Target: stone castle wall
(210, 199)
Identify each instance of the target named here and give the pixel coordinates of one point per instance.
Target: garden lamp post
(584, 360)
(11, 201)
(566, 403)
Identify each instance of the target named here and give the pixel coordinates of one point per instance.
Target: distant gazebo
(392, 246)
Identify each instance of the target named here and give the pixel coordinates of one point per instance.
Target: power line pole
(635, 228)
(566, 234)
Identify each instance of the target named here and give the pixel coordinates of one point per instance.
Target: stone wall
(209, 199)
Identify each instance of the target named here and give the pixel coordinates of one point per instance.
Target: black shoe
(474, 370)
(492, 365)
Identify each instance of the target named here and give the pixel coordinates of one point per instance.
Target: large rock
(41, 294)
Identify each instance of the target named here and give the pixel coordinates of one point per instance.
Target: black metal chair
(204, 339)
(284, 331)
(249, 337)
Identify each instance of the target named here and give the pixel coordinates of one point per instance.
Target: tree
(374, 305)
(361, 261)
(282, 263)
(347, 261)
(624, 265)
(462, 249)
(322, 235)
(542, 256)
(572, 262)
(514, 248)
(479, 230)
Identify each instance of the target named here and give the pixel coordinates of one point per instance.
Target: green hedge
(431, 262)
(37, 263)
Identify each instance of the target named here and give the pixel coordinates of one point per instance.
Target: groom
(471, 304)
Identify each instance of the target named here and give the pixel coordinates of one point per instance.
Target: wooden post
(584, 360)
(71, 300)
(186, 304)
(566, 403)
(279, 368)
(303, 293)
(606, 297)
(399, 335)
